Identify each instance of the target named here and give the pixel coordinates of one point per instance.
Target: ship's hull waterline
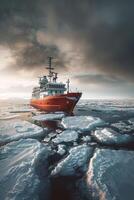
(56, 103)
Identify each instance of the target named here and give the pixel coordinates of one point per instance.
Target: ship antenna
(68, 85)
(50, 68)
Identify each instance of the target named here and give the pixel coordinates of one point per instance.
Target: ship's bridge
(52, 88)
(49, 85)
(55, 88)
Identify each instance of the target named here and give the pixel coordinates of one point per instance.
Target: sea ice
(66, 136)
(47, 117)
(52, 134)
(22, 110)
(75, 163)
(110, 175)
(7, 116)
(47, 139)
(23, 170)
(86, 138)
(107, 136)
(131, 121)
(82, 123)
(15, 130)
(61, 149)
(123, 127)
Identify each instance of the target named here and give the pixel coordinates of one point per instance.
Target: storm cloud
(91, 34)
(99, 79)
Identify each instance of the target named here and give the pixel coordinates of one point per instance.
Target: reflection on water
(51, 125)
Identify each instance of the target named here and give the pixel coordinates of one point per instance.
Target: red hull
(64, 102)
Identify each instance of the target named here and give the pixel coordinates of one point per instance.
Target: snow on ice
(75, 163)
(111, 175)
(15, 130)
(82, 123)
(21, 163)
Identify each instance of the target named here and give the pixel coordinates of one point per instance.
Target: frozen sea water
(97, 143)
(75, 163)
(124, 127)
(19, 165)
(82, 123)
(111, 175)
(47, 117)
(5, 116)
(66, 136)
(61, 149)
(15, 130)
(108, 110)
(107, 136)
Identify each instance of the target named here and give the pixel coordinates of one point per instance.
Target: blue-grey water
(89, 155)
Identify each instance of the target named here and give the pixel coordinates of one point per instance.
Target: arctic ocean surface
(89, 155)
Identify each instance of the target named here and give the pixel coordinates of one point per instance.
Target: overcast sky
(92, 42)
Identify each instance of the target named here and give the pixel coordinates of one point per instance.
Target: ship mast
(50, 68)
(68, 85)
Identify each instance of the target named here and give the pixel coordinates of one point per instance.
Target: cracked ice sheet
(66, 136)
(111, 175)
(82, 123)
(123, 127)
(75, 163)
(20, 162)
(107, 136)
(15, 130)
(47, 117)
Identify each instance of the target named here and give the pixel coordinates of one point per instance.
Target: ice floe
(82, 123)
(52, 134)
(111, 175)
(66, 136)
(107, 136)
(123, 127)
(61, 149)
(75, 163)
(23, 170)
(15, 130)
(86, 138)
(47, 139)
(47, 117)
(131, 121)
